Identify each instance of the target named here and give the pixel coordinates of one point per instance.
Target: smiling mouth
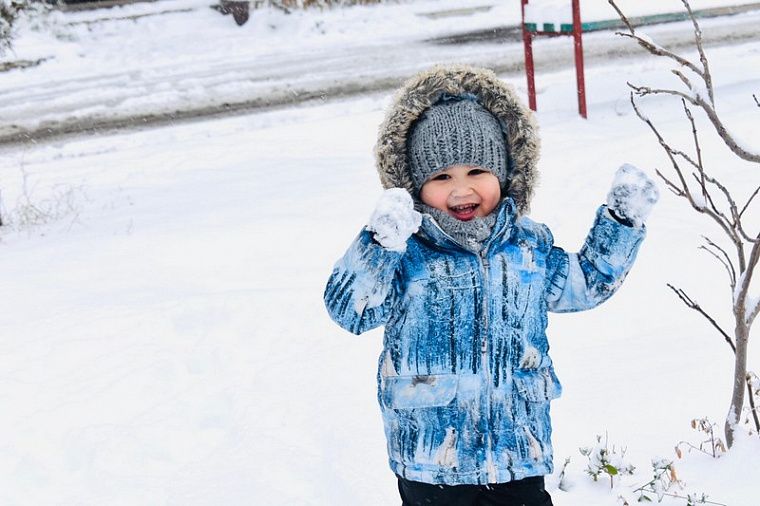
(464, 212)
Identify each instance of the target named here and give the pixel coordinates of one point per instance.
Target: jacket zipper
(483, 260)
(491, 470)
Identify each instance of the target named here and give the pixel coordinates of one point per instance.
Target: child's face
(463, 191)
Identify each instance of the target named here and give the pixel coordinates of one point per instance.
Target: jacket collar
(506, 215)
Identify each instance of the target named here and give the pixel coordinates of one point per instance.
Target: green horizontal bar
(653, 19)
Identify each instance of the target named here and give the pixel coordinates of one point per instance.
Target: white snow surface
(164, 336)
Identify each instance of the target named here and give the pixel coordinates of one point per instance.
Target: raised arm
(364, 283)
(583, 280)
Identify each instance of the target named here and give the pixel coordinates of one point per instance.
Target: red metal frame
(577, 35)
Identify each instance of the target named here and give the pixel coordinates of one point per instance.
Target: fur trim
(424, 89)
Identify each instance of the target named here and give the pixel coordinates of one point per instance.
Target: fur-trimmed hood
(425, 89)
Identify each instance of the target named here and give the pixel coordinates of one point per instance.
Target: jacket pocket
(428, 391)
(537, 385)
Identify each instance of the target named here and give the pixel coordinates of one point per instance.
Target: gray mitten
(632, 196)
(394, 219)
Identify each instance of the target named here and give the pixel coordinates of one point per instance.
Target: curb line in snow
(280, 93)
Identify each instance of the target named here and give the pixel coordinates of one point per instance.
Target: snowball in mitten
(632, 196)
(394, 219)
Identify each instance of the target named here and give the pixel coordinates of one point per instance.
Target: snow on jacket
(465, 379)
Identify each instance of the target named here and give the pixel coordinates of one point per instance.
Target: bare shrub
(711, 198)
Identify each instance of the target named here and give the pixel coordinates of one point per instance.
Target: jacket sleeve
(583, 280)
(363, 288)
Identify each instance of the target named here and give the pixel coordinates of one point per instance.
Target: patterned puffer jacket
(464, 378)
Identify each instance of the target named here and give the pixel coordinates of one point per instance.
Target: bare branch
(698, 164)
(671, 186)
(706, 76)
(622, 16)
(654, 49)
(683, 79)
(736, 224)
(709, 199)
(691, 304)
(643, 91)
(746, 281)
(751, 396)
(696, 99)
(721, 260)
(726, 260)
(715, 200)
(730, 225)
(748, 201)
(720, 128)
(686, 157)
(684, 190)
(726, 193)
(657, 50)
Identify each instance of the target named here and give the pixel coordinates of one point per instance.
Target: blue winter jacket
(465, 379)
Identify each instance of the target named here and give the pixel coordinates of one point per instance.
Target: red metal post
(529, 67)
(579, 74)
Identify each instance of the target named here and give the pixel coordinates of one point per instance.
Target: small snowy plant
(288, 5)
(10, 10)
(712, 446)
(605, 460)
(62, 202)
(665, 482)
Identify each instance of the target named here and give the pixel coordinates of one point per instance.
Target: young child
(463, 280)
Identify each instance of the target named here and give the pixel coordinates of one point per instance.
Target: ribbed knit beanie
(456, 130)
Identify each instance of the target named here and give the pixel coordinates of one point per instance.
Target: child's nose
(462, 188)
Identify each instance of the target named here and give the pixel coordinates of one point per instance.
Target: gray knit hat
(456, 130)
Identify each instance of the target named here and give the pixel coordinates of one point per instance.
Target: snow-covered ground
(113, 66)
(164, 337)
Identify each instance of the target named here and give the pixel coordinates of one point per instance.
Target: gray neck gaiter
(472, 234)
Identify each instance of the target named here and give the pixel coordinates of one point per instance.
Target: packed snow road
(179, 74)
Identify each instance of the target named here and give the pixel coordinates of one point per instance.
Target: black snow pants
(526, 492)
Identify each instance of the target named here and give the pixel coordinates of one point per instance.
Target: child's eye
(440, 177)
(476, 172)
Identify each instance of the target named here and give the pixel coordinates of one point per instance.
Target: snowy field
(165, 341)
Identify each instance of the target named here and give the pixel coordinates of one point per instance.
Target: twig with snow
(723, 258)
(698, 204)
(649, 45)
(694, 96)
(702, 57)
(664, 479)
